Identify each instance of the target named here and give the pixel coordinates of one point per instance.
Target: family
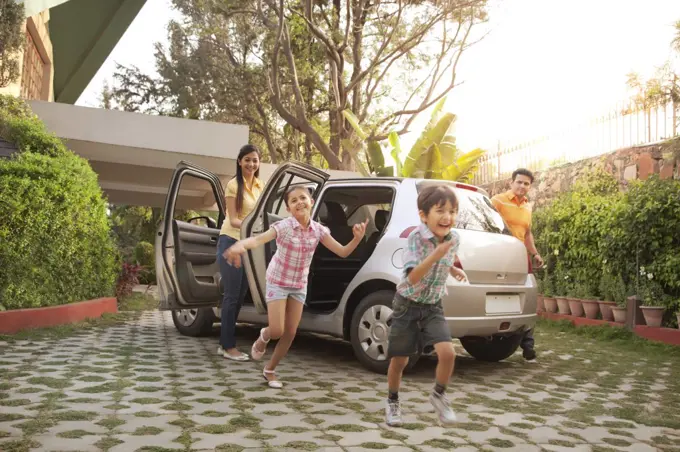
(428, 261)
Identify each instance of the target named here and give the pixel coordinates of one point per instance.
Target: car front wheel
(194, 322)
(369, 330)
(495, 349)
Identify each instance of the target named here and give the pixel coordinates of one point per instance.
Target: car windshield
(475, 212)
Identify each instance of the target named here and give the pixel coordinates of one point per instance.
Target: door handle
(213, 239)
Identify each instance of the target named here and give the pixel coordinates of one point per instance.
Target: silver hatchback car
(351, 298)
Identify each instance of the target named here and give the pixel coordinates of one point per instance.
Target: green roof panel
(83, 34)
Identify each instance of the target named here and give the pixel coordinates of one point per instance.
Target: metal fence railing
(625, 127)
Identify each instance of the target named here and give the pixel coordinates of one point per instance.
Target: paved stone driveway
(142, 386)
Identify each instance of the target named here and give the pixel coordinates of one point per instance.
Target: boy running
(418, 316)
(286, 290)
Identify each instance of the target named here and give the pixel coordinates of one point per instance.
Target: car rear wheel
(495, 349)
(369, 330)
(194, 322)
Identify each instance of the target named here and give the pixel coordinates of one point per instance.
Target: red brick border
(666, 335)
(22, 319)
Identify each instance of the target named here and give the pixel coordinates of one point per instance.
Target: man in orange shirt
(514, 207)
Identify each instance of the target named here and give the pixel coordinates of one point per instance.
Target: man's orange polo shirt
(516, 213)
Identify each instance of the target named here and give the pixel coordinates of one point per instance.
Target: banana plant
(434, 155)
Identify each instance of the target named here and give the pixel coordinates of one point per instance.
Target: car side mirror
(209, 221)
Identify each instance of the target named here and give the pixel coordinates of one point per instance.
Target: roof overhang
(135, 154)
(83, 34)
(33, 7)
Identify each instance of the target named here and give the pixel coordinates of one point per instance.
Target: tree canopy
(288, 68)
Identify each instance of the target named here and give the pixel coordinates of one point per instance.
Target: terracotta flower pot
(678, 314)
(576, 307)
(591, 308)
(563, 306)
(653, 315)
(606, 310)
(540, 303)
(551, 304)
(619, 314)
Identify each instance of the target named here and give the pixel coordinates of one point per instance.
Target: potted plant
(607, 288)
(562, 289)
(620, 295)
(591, 306)
(548, 300)
(574, 298)
(653, 299)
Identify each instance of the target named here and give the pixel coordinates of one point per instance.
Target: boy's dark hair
(523, 172)
(291, 189)
(436, 195)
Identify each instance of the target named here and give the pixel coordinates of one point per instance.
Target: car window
(476, 213)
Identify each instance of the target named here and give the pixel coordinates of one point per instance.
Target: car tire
(368, 328)
(194, 322)
(493, 350)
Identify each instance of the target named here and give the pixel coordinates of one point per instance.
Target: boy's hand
(458, 274)
(443, 248)
(233, 254)
(359, 230)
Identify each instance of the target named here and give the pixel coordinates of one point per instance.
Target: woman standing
(241, 196)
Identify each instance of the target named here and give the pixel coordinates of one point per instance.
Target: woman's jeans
(235, 286)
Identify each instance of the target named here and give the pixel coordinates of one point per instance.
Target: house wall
(38, 46)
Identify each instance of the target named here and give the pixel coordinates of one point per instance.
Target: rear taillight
(457, 263)
(405, 233)
(531, 267)
(466, 186)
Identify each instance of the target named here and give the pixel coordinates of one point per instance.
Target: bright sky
(546, 63)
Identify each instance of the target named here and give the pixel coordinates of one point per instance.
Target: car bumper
(467, 309)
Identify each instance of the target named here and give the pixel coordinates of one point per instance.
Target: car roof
(418, 181)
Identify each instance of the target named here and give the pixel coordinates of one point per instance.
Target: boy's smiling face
(440, 219)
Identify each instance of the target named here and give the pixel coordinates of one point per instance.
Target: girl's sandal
(276, 384)
(254, 352)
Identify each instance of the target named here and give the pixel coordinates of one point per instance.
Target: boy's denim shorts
(275, 292)
(415, 325)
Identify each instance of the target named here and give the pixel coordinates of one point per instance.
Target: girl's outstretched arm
(233, 253)
(329, 242)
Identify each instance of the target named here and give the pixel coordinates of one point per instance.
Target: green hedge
(55, 241)
(602, 242)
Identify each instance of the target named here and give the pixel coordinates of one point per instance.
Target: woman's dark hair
(436, 195)
(245, 150)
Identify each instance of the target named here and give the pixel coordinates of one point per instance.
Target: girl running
(286, 290)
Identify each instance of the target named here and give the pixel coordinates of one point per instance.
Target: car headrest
(381, 217)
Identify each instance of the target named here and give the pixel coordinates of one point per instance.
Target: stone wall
(626, 165)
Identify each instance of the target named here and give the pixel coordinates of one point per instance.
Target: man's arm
(531, 247)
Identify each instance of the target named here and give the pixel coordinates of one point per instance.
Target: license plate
(503, 304)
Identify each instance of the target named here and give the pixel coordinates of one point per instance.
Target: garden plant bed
(666, 335)
(21, 319)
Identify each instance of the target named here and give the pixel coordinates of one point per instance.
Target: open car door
(271, 208)
(186, 266)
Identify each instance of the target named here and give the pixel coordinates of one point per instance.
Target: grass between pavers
(129, 309)
(138, 302)
(555, 374)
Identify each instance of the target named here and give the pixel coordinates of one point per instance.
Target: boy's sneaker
(393, 413)
(443, 407)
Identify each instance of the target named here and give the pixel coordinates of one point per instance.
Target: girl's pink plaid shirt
(295, 244)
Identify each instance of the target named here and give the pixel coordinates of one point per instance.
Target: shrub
(55, 244)
(597, 239)
(127, 280)
(20, 126)
(145, 257)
